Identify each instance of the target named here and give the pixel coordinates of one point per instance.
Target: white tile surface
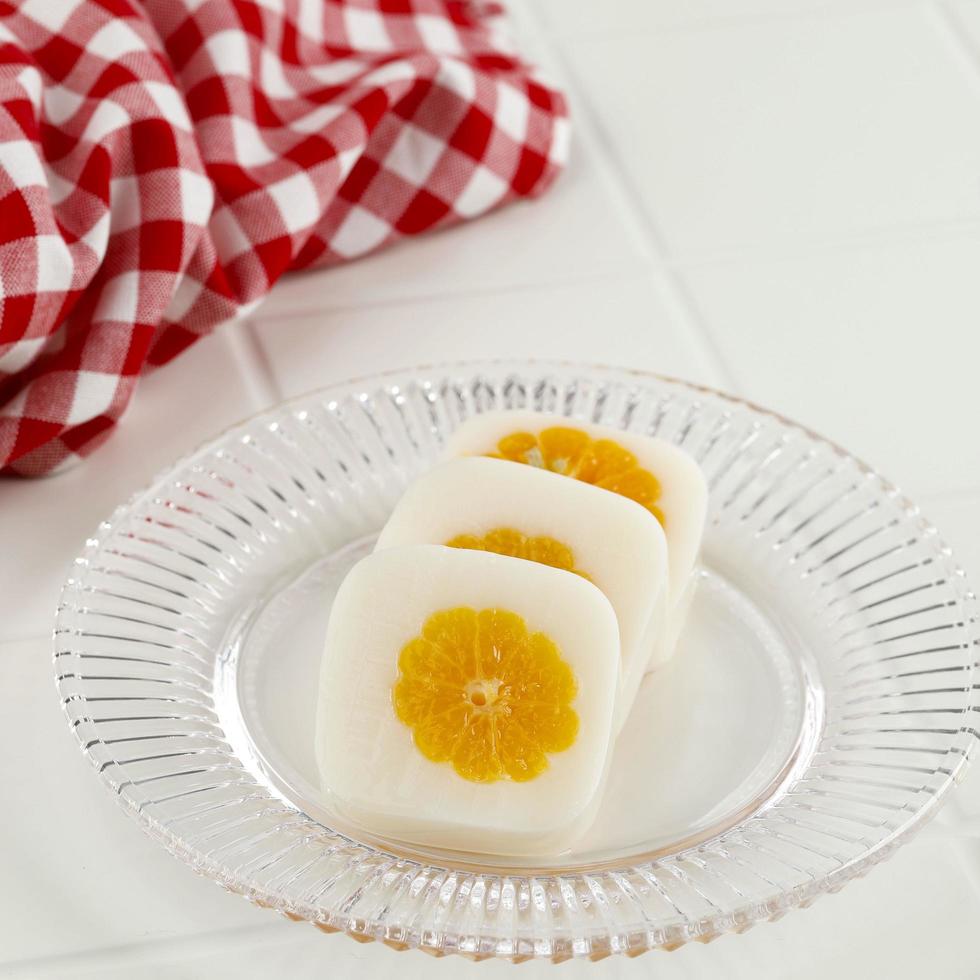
(45, 522)
(774, 133)
(584, 234)
(873, 346)
(79, 872)
(620, 321)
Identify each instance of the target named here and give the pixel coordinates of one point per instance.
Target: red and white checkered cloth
(163, 163)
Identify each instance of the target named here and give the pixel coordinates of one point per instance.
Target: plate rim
(701, 929)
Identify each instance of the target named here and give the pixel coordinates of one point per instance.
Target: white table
(777, 197)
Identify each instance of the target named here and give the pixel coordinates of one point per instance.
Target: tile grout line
(959, 38)
(674, 290)
(474, 292)
(253, 362)
(893, 236)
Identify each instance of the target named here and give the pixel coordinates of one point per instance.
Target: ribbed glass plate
(819, 707)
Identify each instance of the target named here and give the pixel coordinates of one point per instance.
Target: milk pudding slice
(466, 700)
(490, 505)
(654, 473)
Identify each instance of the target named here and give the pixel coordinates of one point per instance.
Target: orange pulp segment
(572, 452)
(516, 544)
(480, 691)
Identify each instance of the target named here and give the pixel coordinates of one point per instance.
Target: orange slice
(572, 452)
(479, 691)
(516, 544)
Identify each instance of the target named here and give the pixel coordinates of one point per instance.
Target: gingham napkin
(163, 163)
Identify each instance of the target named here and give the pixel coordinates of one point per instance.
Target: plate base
(712, 737)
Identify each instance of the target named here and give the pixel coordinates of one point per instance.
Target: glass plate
(817, 711)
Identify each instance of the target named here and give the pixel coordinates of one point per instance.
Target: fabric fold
(163, 164)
